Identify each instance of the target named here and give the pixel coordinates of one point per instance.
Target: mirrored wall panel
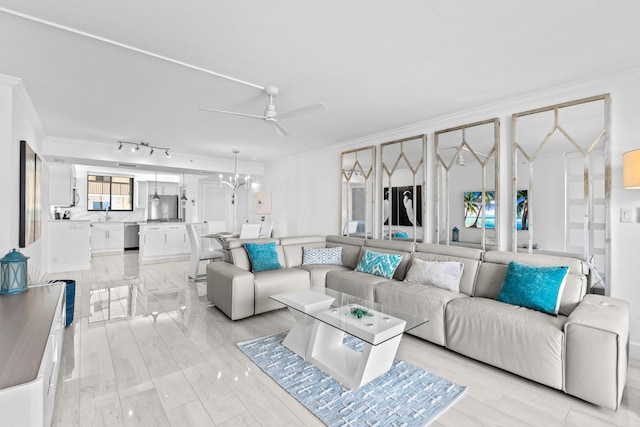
(357, 192)
(403, 198)
(561, 176)
(467, 184)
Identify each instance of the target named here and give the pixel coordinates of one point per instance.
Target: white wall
(305, 189)
(18, 122)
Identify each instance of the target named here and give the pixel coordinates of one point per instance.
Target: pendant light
(184, 190)
(156, 198)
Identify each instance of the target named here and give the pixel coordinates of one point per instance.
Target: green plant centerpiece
(359, 312)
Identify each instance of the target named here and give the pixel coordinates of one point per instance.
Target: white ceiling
(377, 65)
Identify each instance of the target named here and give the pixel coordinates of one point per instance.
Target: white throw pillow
(312, 256)
(445, 275)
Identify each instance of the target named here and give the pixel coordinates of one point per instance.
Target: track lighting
(135, 146)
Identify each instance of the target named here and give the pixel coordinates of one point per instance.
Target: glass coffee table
(324, 316)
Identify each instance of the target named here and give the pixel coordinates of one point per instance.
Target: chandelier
(234, 181)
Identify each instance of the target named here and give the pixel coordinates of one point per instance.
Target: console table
(31, 333)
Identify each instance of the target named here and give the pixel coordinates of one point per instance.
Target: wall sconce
(631, 169)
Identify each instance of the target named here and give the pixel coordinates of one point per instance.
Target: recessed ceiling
(377, 65)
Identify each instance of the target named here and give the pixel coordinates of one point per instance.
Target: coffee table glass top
(371, 322)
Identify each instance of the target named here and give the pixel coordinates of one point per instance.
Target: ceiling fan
(271, 116)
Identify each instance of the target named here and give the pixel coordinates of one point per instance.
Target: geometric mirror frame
(562, 182)
(357, 189)
(468, 185)
(403, 165)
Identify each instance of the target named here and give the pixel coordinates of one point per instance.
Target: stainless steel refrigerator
(165, 210)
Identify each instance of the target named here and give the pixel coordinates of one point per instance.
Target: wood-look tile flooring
(147, 348)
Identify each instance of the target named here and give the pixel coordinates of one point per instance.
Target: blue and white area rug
(404, 396)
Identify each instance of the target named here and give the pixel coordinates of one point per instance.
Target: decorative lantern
(455, 234)
(13, 269)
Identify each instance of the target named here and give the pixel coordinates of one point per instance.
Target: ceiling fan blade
(233, 112)
(313, 108)
(281, 130)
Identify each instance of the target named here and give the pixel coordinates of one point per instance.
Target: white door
(216, 212)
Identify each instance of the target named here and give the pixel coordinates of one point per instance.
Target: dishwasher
(131, 238)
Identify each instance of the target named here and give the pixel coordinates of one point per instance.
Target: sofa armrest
(231, 289)
(597, 350)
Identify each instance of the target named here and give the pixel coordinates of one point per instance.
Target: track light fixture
(135, 146)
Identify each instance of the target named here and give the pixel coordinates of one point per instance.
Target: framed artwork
(262, 203)
(30, 207)
(402, 205)
(473, 209)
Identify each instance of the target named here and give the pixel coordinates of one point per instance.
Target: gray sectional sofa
(582, 351)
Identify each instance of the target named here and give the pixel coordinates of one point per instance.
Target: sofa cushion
(494, 268)
(403, 248)
(267, 283)
(523, 341)
(534, 287)
(445, 275)
(351, 247)
(420, 300)
(383, 265)
(292, 247)
(311, 256)
(263, 256)
(354, 283)
(318, 273)
(470, 257)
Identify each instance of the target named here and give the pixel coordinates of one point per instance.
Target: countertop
(26, 320)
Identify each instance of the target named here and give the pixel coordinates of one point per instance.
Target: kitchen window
(113, 192)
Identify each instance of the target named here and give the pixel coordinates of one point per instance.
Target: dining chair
(198, 254)
(265, 229)
(250, 231)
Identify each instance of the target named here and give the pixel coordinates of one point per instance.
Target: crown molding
(24, 99)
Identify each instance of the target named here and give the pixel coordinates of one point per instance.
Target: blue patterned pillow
(263, 256)
(312, 256)
(537, 288)
(380, 264)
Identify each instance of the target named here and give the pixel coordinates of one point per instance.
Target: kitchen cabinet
(30, 349)
(107, 237)
(163, 241)
(69, 245)
(61, 184)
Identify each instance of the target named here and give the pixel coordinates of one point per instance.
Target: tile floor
(147, 348)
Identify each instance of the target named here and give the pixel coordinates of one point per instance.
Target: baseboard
(634, 351)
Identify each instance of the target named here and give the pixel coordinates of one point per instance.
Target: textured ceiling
(377, 65)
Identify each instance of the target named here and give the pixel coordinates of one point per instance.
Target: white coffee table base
(309, 301)
(351, 368)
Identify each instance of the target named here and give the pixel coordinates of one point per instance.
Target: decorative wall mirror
(403, 188)
(357, 185)
(562, 181)
(467, 183)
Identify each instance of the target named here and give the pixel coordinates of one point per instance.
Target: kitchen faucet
(107, 217)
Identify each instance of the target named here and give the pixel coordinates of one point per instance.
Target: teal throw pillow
(263, 256)
(537, 288)
(380, 264)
